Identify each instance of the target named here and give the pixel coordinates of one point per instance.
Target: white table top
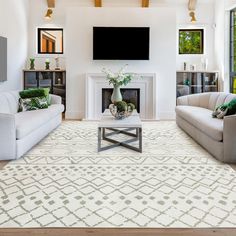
(108, 121)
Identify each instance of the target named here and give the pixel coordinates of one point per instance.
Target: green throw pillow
(30, 104)
(226, 109)
(232, 107)
(36, 92)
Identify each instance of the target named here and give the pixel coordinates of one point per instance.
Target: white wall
(79, 26)
(37, 20)
(75, 102)
(13, 26)
(205, 19)
(219, 47)
(204, 13)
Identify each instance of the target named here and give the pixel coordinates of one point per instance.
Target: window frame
(202, 30)
(39, 43)
(231, 49)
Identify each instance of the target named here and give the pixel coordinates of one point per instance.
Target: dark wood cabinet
(192, 82)
(53, 79)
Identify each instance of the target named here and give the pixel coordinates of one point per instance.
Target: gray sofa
(194, 116)
(19, 132)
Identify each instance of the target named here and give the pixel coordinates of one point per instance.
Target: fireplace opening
(130, 95)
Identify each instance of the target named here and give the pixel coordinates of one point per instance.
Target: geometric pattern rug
(64, 182)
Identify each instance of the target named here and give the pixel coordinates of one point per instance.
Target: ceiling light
(48, 15)
(193, 17)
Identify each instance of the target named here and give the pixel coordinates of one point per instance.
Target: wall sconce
(193, 17)
(48, 15)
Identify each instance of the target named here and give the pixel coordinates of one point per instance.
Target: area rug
(64, 182)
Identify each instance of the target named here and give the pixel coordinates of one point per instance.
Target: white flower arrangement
(118, 79)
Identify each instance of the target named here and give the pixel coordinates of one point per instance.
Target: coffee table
(108, 122)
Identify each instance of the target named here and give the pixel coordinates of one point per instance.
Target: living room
(79, 78)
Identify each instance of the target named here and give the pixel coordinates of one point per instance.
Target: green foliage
(190, 42)
(131, 106)
(121, 106)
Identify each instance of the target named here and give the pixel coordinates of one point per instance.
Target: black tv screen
(121, 43)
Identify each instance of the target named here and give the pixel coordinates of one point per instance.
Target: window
(50, 41)
(233, 51)
(191, 41)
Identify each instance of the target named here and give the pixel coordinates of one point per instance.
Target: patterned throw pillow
(30, 104)
(220, 112)
(36, 92)
(226, 109)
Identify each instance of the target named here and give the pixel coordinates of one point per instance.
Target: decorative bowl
(120, 115)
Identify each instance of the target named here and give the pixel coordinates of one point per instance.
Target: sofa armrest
(55, 99)
(182, 101)
(229, 139)
(7, 137)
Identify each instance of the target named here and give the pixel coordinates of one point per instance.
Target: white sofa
(19, 132)
(218, 136)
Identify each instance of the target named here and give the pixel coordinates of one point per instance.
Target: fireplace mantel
(146, 82)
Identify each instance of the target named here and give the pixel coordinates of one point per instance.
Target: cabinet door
(30, 80)
(210, 82)
(45, 80)
(197, 83)
(183, 83)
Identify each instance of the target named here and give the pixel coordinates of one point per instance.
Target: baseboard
(71, 115)
(166, 116)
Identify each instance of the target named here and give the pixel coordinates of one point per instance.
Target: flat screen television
(3, 59)
(121, 43)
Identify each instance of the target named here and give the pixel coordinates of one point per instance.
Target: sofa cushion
(201, 118)
(28, 121)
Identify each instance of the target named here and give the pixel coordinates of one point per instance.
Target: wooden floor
(116, 232)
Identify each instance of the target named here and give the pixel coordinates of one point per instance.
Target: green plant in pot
(117, 80)
(32, 65)
(121, 109)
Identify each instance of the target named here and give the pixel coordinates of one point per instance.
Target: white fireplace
(146, 82)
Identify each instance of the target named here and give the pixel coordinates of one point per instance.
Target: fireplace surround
(145, 83)
(129, 95)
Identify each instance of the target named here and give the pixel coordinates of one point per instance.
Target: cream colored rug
(64, 182)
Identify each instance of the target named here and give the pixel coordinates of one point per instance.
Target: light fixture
(193, 17)
(48, 15)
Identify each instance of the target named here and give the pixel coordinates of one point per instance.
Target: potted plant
(117, 80)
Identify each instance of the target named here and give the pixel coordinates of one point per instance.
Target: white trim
(148, 97)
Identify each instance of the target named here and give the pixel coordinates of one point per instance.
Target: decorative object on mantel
(204, 63)
(57, 62)
(117, 80)
(32, 65)
(193, 67)
(121, 110)
(47, 64)
(185, 65)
